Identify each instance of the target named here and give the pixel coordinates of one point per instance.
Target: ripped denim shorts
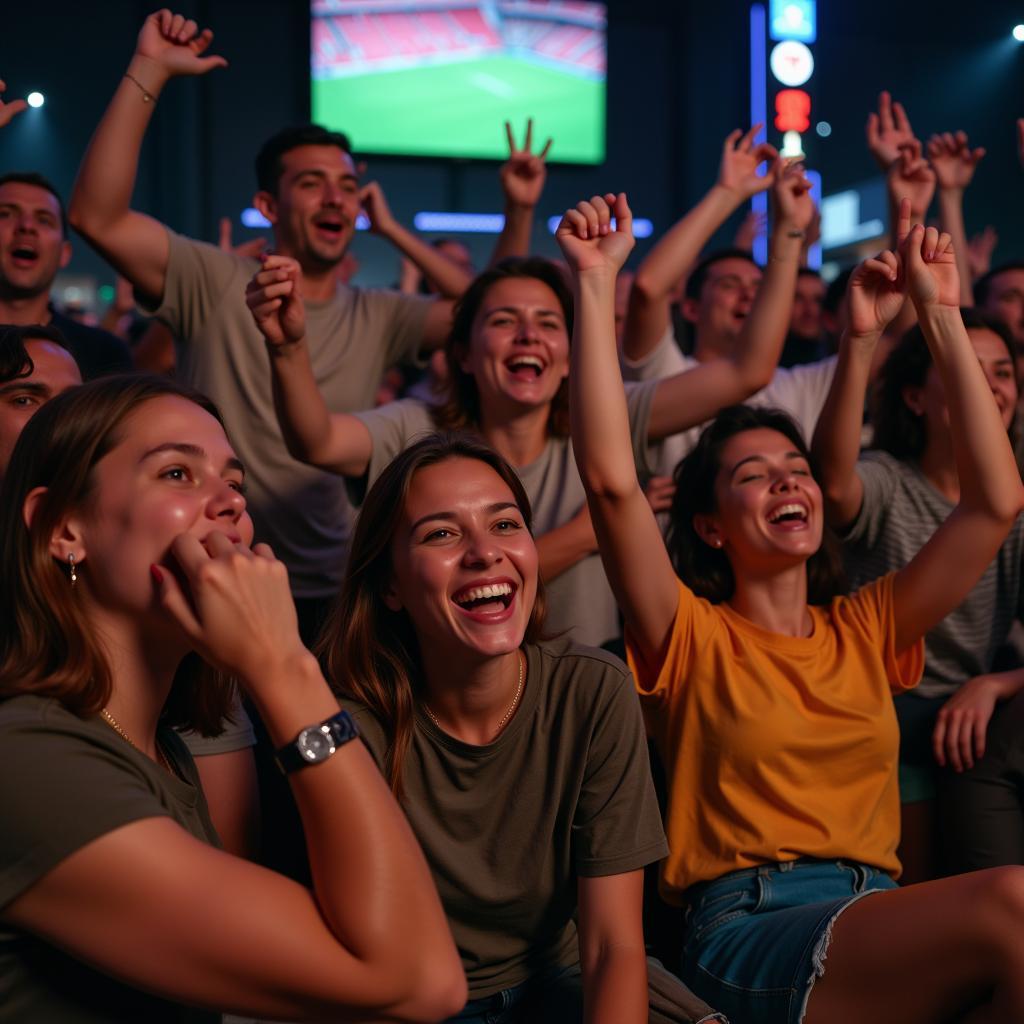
(756, 939)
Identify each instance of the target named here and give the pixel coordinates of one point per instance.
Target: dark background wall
(678, 83)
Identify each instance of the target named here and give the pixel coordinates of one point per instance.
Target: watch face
(314, 744)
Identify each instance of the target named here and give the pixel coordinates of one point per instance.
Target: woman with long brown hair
(129, 595)
(508, 363)
(521, 764)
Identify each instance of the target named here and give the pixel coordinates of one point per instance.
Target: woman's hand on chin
(235, 606)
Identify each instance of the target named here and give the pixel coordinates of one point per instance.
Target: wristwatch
(316, 743)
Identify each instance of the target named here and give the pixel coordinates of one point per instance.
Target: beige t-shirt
(508, 828)
(580, 600)
(66, 782)
(300, 511)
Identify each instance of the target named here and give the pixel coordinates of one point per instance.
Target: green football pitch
(460, 110)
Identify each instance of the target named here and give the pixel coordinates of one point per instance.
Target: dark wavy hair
(269, 166)
(369, 651)
(898, 430)
(15, 362)
(707, 570)
(460, 409)
(47, 644)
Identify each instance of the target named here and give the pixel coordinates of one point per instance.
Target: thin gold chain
(505, 717)
(116, 726)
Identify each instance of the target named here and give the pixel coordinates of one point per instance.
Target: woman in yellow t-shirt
(768, 692)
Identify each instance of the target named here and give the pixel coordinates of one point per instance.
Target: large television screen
(439, 79)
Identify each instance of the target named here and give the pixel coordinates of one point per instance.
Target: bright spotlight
(824, 129)
(35, 99)
(1018, 33)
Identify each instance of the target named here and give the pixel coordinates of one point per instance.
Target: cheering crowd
(362, 650)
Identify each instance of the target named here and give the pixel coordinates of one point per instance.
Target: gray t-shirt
(508, 829)
(68, 781)
(900, 511)
(580, 599)
(300, 511)
(799, 390)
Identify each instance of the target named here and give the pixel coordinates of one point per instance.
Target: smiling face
(726, 297)
(315, 208)
(464, 565)
(173, 472)
(519, 348)
(53, 371)
(32, 243)
(929, 400)
(768, 514)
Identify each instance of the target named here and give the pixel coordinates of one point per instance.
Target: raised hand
(375, 206)
(752, 225)
(953, 160)
(741, 158)
(252, 248)
(523, 175)
(234, 605)
(175, 43)
(791, 195)
(875, 294)
(587, 238)
(930, 268)
(274, 297)
(888, 131)
(910, 177)
(979, 251)
(11, 109)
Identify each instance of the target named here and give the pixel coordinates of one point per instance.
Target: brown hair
(47, 646)
(460, 409)
(369, 651)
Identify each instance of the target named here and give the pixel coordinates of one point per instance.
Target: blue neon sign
(793, 19)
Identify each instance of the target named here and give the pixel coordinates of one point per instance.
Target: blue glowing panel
(793, 19)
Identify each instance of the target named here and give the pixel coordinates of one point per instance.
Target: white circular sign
(792, 63)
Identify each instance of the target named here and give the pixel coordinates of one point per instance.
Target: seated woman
(508, 358)
(521, 764)
(126, 560)
(768, 694)
(886, 505)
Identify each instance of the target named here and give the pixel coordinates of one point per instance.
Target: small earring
(71, 566)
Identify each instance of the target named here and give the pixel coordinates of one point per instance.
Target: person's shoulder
(564, 659)
(28, 711)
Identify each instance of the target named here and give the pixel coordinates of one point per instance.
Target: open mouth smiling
(487, 598)
(525, 367)
(792, 514)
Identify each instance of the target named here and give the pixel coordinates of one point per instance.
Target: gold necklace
(505, 717)
(115, 725)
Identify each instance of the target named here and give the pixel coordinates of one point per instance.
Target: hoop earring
(71, 566)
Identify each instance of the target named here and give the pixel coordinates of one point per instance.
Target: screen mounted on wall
(439, 79)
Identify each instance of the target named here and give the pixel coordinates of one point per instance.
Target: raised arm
(100, 207)
(696, 395)
(167, 913)
(336, 442)
(451, 280)
(876, 294)
(954, 163)
(522, 177)
(678, 250)
(631, 545)
(9, 110)
(943, 572)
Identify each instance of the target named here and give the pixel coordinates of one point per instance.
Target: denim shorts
(756, 939)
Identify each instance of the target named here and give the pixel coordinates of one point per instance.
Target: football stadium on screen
(439, 79)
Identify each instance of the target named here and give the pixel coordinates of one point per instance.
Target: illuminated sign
(792, 63)
(794, 19)
(792, 111)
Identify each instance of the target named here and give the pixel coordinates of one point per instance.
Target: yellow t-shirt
(778, 747)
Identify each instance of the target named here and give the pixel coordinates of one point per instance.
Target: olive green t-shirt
(65, 781)
(508, 828)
